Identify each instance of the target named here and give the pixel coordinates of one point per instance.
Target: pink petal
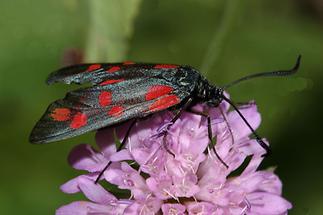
(186, 132)
(160, 186)
(188, 121)
(72, 186)
(86, 208)
(92, 191)
(127, 178)
(212, 169)
(238, 126)
(174, 168)
(258, 181)
(225, 105)
(200, 208)
(82, 208)
(105, 140)
(187, 190)
(173, 209)
(133, 209)
(250, 147)
(113, 174)
(151, 160)
(265, 181)
(267, 204)
(145, 130)
(148, 206)
(84, 157)
(122, 155)
(234, 160)
(95, 192)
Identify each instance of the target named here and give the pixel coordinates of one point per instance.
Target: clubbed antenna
(268, 74)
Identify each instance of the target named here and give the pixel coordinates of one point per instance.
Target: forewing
(97, 73)
(105, 104)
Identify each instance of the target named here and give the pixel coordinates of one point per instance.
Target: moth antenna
(258, 138)
(267, 74)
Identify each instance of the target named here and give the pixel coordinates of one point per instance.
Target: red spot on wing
(128, 62)
(116, 111)
(61, 114)
(164, 103)
(114, 69)
(165, 66)
(93, 67)
(105, 98)
(79, 120)
(158, 91)
(112, 81)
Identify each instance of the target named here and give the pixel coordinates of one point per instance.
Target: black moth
(124, 91)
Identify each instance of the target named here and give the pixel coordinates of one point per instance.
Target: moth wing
(97, 73)
(103, 105)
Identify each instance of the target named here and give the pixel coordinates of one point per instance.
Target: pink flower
(180, 175)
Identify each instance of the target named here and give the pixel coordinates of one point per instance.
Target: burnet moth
(123, 91)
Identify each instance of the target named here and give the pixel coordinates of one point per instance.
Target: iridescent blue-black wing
(96, 73)
(115, 97)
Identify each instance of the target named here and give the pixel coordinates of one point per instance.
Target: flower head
(178, 173)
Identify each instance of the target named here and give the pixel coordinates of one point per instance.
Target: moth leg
(162, 131)
(227, 123)
(118, 149)
(210, 135)
(179, 112)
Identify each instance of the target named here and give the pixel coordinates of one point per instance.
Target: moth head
(214, 96)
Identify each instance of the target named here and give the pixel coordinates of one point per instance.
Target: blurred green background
(226, 38)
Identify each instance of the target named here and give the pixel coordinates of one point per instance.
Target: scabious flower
(179, 174)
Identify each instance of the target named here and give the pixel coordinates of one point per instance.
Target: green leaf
(111, 26)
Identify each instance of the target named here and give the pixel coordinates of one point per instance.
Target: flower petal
(92, 191)
(147, 206)
(105, 140)
(265, 181)
(161, 186)
(95, 192)
(86, 208)
(125, 177)
(267, 204)
(84, 157)
(200, 208)
(238, 126)
(173, 209)
(121, 155)
(72, 186)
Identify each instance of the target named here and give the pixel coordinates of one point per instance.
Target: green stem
(221, 31)
(110, 28)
